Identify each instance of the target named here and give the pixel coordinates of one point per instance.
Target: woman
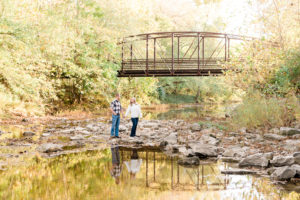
(134, 110)
(134, 165)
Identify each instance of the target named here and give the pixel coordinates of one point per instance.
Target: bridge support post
(178, 42)
(122, 54)
(154, 52)
(203, 51)
(228, 47)
(147, 60)
(172, 72)
(198, 60)
(225, 47)
(131, 56)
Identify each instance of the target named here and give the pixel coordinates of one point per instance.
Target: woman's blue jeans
(134, 125)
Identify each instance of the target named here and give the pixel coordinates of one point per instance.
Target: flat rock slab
(28, 133)
(205, 139)
(238, 171)
(204, 150)
(196, 127)
(49, 147)
(230, 159)
(256, 160)
(271, 136)
(296, 156)
(171, 139)
(289, 131)
(77, 137)
(297, 168)
(280, 161)
(291, 145)
(235, 152)
(283, 173)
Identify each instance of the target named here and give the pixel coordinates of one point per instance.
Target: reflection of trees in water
(87, 174)
(192, 112)
(163, 173)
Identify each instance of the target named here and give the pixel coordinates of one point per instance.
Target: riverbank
(272, 153)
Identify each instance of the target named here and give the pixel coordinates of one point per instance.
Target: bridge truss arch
(177, 53)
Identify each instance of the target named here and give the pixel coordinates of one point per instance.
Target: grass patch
(63, 138)
(259, 111)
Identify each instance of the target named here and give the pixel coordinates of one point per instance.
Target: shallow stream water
(116, 172)
(120, 173)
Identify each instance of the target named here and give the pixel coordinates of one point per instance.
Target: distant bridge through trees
(177, 53)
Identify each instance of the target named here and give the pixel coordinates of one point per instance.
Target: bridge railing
(177, 53)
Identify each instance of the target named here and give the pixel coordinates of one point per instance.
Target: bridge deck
(176, 54)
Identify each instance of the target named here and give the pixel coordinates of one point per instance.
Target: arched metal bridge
(177, 53)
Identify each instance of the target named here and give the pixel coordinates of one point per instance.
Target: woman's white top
(134, 165)
(134, 110)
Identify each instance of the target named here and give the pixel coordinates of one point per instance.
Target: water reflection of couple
(133, 166)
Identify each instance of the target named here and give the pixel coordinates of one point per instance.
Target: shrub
(259, 111)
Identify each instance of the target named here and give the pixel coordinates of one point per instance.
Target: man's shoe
(112, 137)
(117, 137)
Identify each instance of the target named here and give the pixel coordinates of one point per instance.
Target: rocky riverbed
(275, 153)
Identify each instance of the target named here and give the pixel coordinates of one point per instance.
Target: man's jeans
(115, 125)
(134, 125)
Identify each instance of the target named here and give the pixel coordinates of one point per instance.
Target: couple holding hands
(133, 109)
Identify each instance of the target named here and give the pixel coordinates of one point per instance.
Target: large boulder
(122, 128)
(205, 139)
(171, 139)
(77, 137)
(256, 160)
(150, 125)
(189, 161)
(296, 156)
(234, 152)
(49, 147)
(204, 150)
(297, 168)
(291, 145)
(280, 161)
(196, 127)
(230, 159)
(271, 136)
(283, 173)
(289, 131)
(207, 131)
(28, 133)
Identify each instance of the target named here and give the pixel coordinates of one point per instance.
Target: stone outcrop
(289, 131)
(283, 173)
(256, 160)
(280, 161)
(271, 136)
(49, 147)
(195, 127)
(204, 150)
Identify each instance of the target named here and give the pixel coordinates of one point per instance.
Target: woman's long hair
(132, 100)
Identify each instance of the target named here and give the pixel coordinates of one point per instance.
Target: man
(116, 110)
(116, 168)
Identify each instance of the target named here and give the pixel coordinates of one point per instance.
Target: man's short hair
(117, 94)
